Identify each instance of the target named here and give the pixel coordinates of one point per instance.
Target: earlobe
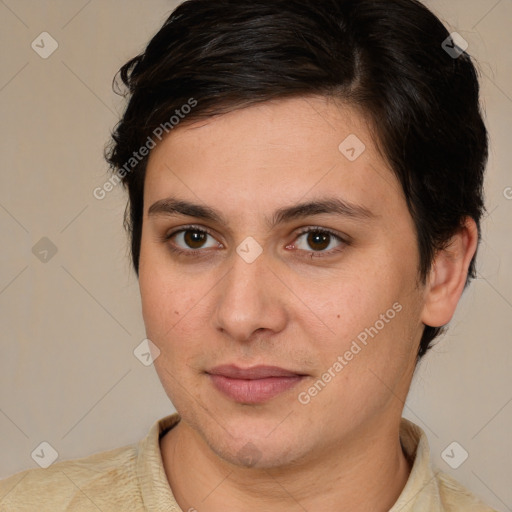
(448, 274)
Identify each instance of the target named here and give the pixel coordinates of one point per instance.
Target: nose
(250, 298)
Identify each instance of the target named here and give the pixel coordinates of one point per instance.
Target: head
(248, 108)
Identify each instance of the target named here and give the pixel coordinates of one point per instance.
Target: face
(279, 280)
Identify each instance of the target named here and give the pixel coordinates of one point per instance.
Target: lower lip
(254, 391)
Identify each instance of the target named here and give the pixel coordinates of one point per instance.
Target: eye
(190, 239)
(317, 240)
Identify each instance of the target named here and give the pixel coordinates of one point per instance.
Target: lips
(253, 385)
(255, 372)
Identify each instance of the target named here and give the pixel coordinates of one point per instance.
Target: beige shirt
(133, 479)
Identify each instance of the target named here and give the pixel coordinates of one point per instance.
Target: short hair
(383, 57)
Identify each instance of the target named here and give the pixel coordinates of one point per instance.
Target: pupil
(318, 238)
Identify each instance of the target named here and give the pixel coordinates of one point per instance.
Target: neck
(364, 473)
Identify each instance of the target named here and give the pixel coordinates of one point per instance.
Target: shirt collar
(421, 491)
(154, 486)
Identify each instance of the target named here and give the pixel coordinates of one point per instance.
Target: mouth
(254, 385)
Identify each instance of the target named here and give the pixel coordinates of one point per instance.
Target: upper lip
(254, 372)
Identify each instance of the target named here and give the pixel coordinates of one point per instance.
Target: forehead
(271, 154)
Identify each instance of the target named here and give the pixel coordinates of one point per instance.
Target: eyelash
(195, 253)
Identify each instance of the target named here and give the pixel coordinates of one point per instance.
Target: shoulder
(428, 488)
(99, 481)
(456, 497)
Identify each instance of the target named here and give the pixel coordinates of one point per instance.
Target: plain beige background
(68, 374)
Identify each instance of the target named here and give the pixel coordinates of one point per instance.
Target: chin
(247, 446)
(254, 455)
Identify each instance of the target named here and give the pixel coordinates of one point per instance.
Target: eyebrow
(172, 206)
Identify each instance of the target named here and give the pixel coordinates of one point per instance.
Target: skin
(298, 306)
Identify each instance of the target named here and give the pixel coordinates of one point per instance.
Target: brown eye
(194, 239)
(318, 241)
(191, 240)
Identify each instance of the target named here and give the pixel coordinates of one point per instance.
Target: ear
(448, 274)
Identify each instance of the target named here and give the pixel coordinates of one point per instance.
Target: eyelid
(319, 229)
(188, 228)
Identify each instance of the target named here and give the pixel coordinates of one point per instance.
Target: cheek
(168, 317)
(369, 318)
(161, 293)
(173, 305)
(344, 303)
(166, 305)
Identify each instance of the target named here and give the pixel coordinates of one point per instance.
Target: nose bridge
(249, 298)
